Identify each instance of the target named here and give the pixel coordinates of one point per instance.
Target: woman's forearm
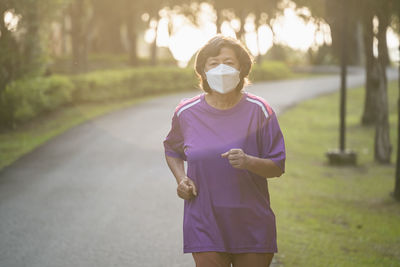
(177, 167)
(263, 167)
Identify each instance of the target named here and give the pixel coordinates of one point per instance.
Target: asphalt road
(101, 194)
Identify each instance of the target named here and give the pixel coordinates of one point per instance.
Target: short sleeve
(173, 143)
(272, 144)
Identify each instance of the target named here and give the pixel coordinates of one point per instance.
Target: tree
(264, 12)
(376, 109)
(371, 67)
(380, 10)
(382, 140)
(108, 22)
(9, 51)
(153, 7)
(23, 51)
(132, 20)
(396, 193)
(330, 12)
(80, 17)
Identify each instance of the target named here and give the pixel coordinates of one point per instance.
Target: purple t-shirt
(231, 212)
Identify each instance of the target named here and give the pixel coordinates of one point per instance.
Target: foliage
(105, 61)
(270, 70)
(322, 56)
(23, 52)
(284, 53)
(118, 84)
(24, 99)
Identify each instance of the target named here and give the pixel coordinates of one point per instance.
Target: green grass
(15, 143)
(335, 216)
(326, 216)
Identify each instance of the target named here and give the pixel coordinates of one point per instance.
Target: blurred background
(61, 39)
(66, 36)
(65, 62)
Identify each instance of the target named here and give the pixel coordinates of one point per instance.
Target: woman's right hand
(186, 189)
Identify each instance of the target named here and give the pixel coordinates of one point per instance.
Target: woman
(231, 141)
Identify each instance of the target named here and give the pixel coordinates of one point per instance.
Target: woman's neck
(223, 101)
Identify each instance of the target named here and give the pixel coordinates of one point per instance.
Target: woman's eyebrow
(215, 58)
(224, 59)
(212, 58)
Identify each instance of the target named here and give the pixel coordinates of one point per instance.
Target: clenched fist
(237, 158)
(186, 189)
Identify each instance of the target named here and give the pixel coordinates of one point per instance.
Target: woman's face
(226, 56)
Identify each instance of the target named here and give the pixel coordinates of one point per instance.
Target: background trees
(114, 29)
(24, 54)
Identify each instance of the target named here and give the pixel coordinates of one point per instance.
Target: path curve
(101, 194)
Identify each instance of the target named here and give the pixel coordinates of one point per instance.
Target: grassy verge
(335, 216)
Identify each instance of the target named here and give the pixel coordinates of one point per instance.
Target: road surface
(101, 193)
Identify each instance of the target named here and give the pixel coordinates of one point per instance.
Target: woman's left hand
(237, 158)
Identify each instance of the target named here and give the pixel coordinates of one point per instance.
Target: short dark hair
(212, 48)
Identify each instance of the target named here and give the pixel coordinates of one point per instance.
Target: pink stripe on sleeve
(186, 101)
(262, 100)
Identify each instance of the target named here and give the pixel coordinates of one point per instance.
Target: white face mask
(223, 78)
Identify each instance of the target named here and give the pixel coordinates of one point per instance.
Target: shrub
(118, 84)
(270, 70)
(24, 99)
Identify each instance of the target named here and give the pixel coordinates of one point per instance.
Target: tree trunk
(241, 32)
(382, 140)
(131, 17)
(384, 22)
(33, 49)
(396, 193)
(371, 73)
(9, 55)
(257, 26)
(109, 37)
(219, 20)
(153, 46)
(333, 19)
(64, 34)
(397, 178)
(343, 76)
(78, 40)
(383, 50)
(108, 16)
(9, 69)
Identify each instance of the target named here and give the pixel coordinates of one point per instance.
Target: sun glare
(162, 33)
(227, 30)
(265, 39)
(289, 29)
(184, 44)
(149, 35)
(393, 45)
(11, 20)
